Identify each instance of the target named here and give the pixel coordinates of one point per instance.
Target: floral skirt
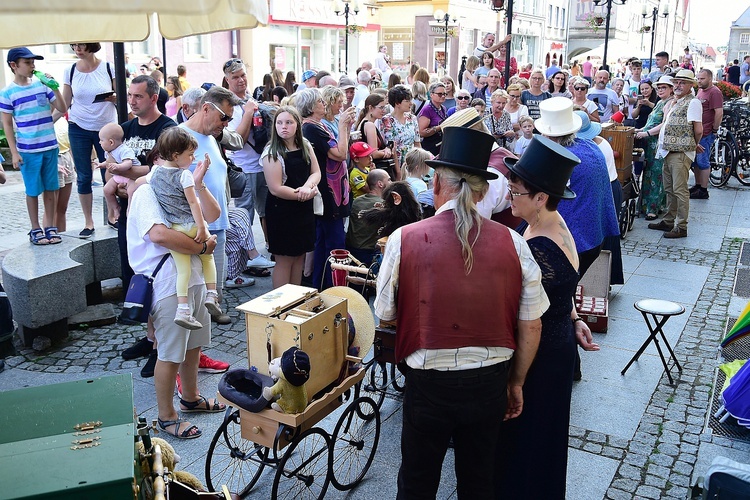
(653, 198)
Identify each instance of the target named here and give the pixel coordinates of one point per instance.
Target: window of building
(563, 19)
(400, 43)
(557, 17)
(137, 50)
(549, 16)
(61, 51)
(197, 48)
(744, 38)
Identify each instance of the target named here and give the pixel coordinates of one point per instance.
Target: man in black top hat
(460, 287)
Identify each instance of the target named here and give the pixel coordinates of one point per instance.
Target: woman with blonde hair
(412, 71)
(514, 107)
(498, 121)
(278, 78)
(419, 96)
(416, 172)
(333, 98)
(422, 76)
(450, 91)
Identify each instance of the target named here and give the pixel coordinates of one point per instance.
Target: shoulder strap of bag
(161, 263)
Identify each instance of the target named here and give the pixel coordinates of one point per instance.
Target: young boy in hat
(34, 146)
(361, 155)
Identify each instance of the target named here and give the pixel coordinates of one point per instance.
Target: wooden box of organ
(73, 440)
(621, 139)
(293, 315)
(592, 294)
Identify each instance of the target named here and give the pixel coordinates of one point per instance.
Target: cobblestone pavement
(658, 461)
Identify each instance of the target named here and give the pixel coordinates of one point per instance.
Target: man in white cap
(679, 141)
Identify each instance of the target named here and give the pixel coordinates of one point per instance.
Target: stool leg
(663, 361)
(650, 338)
(671, 352)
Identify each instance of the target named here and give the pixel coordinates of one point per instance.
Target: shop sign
(314, 12)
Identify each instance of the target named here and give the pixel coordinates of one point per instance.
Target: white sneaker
(184, 319)
(260, 262)
(239, 282)
(212, 304)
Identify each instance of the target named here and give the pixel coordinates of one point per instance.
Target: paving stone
(679, 480)
(658, 470)
(625, 484)
(597, 437)
(629, 472)
(661, 459)
(656, 482)
(668, 449)
(648, 492)
(682, 468)
(592, 448)
(615, 494)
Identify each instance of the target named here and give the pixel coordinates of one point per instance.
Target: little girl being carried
(174, 187)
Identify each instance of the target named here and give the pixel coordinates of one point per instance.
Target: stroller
(736, 398)
(724, 480)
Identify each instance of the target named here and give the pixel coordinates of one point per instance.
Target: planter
(598, 21)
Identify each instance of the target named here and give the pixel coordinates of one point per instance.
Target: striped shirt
(32, 112)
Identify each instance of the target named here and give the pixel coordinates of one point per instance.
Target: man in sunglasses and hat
(467, 296)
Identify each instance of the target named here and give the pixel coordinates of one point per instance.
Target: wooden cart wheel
(374, 385)
(232, 460)
(624, 220)
(398, 380)
(304, 470)
(355, 441)
(632, 212)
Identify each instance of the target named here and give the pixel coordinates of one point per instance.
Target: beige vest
(678, 131)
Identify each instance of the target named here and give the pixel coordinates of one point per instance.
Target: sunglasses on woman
(462, 97)
(580, 88)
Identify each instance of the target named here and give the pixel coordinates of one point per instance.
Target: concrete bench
(47, 284)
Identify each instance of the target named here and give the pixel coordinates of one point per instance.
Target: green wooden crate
(37, 430)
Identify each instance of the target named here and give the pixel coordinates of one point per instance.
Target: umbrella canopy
(740, 329)
(40, 22)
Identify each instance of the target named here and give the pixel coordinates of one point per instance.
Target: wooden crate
(621, 140)
(38, 430)
(293, 315)
(595, 291)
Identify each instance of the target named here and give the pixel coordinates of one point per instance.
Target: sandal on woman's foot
(191, 432)
(37, 237)
(257, 271)
(202, 405)
(52, 236)
(650, 216)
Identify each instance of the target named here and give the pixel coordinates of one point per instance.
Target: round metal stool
(660, 312)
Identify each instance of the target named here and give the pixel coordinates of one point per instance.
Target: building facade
(739, 37)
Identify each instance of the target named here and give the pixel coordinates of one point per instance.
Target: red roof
(710, 52)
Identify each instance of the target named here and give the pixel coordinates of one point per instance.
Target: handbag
(236, 178)
(137, 305)
(318, 208)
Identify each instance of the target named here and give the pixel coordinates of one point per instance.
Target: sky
(709, 24)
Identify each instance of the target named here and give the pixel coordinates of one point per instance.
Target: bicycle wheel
(742, 171)
(721, 158)
(232, 460)
(398, 380)
(624, 221)
(374, 386)
(304, 470)
(355, 441)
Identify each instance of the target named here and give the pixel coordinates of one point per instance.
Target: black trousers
(467, 406)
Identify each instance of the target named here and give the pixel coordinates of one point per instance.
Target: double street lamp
(654, 18)
(340, 8)
(608, 3)
(444, 18)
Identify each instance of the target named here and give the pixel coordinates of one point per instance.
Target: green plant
(355, 30)
(594, 21)
(3, 139)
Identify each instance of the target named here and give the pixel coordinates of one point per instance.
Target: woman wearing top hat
(537, 441)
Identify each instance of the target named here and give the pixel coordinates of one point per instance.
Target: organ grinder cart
(621, 140)
(305, 458)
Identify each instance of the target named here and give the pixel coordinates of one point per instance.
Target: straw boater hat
(362, 319)
(557, 117)
(467, 118)
(686, 75)
(546, 166)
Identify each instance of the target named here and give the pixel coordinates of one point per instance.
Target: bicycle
(730, 151)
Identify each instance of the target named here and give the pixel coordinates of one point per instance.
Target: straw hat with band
(362, 320)
(685, 75)
(466, 150)
(546, 166)
(557, 118)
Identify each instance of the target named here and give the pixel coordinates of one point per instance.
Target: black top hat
(546, 166)
(244, 388)
(466, 150)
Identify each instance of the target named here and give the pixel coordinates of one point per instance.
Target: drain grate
(742, 282)
(739, 349)
(745, 254)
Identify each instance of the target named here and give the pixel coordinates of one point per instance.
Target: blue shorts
(702, 159)
(39, 172)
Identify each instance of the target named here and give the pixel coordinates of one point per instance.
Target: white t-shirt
(604, 99)
(144, 255)
(495, 200)
(246, 158)
(521, 144)
(694, 114)
(609, 157)
(84, 112)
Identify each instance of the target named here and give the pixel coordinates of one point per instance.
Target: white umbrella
(39, 22)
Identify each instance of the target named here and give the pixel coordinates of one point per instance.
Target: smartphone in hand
(104, 96)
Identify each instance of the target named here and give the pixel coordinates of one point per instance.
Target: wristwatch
(205, 247)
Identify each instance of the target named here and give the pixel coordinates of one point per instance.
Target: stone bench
(47, 284)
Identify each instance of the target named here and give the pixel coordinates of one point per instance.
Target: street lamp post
(340, 7)
(654, 18)
(606, 28)
(497, 6)
(444, 17)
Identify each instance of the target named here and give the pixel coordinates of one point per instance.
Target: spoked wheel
(632, 213)
(232, 460)
(303, 472)
(374, 385)
(398, 380)
(355, 441)
(624, 220)
(743, 171)
(721, 158)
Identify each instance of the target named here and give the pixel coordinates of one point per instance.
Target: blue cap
(308, 74)
(21, 53)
